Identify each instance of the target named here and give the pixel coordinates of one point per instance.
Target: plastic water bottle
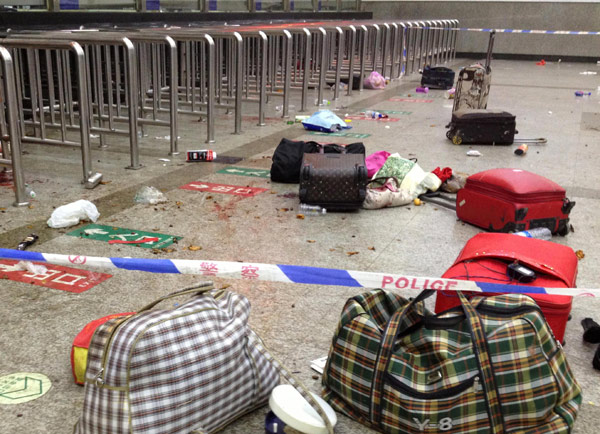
(307, 209)
(582, 93)
(540, 233)
(29, 191)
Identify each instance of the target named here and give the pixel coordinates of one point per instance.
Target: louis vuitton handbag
(490, 365)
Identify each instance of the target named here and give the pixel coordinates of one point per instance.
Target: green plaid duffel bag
(490, 365)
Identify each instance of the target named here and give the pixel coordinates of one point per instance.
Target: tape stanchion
(526, 31)
(286, 273)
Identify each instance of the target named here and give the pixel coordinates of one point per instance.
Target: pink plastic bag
(375, 161)
(374, 81)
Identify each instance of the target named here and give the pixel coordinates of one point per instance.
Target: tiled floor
(296, 321)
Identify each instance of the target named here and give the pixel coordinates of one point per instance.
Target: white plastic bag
(70, 214)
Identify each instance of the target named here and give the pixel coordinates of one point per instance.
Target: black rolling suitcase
(333, 181)
(484, 127)
(437, 77)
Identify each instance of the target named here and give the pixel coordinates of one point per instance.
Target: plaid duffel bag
(490, 365)
(194, 367)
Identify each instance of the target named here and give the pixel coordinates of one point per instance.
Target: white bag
(70, 214)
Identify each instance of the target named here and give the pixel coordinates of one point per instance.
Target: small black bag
(287, 158)
(437, 77)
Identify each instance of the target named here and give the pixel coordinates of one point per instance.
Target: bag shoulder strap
(484, 360)
(198, 288)
(298, 385)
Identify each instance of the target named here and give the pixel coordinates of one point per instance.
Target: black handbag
(287, 158)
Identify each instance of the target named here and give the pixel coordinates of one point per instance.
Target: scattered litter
(28, 241)
(387, 127)
(422, 89)
(201, 155)
(319, 364)
(149, 195)
(473, 153)
(371, 248)
(351, 253)
(450, 93)
(580, 254)
(300, 118)
(29, 191)
(194, 248)
(374, 81)
(311, 241)
(417, 201)
(167, 137)
(70, 214)
(549, 113)
(31, 267)
(541, 62)
(164, 159)
(105, 182)
(588, 73)
(582, 93)
(300, 216)
(521, 150)
(94, 136)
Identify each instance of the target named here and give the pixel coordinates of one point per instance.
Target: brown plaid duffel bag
(489, 366)
(192, 368)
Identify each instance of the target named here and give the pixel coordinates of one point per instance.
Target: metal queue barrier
(135, 75)
(111, 78)
(51, 95)
(10, 137)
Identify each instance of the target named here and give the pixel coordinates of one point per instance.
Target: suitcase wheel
(449, 134)
(457, 139)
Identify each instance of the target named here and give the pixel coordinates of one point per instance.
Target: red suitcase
(486, 256)
(504, 200)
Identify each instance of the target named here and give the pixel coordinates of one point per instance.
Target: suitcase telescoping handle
(488, 59)
(198, 288)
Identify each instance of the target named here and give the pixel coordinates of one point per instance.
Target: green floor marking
(108, 233)
(22, 387)
(351, 135)
(387, 112)
(245, 171)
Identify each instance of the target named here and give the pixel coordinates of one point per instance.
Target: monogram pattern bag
(490, 365)
(332, 180)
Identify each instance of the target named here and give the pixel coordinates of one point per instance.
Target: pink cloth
(374, 81)
(375, 161)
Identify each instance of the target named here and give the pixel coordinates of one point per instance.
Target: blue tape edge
(515, 289)
(150, 265)
(22, 255)
(318, 276)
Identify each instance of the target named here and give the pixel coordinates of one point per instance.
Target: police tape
(286, 273)
(527, 31)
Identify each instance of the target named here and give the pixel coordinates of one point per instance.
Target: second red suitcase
(505, 200)
(486, 257)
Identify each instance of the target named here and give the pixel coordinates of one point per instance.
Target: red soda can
(201, 155)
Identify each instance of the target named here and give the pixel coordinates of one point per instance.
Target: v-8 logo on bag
(444, 424)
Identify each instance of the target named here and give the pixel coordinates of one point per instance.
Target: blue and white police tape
(527, 31)
(285, 273)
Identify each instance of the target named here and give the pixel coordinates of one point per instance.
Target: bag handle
(198, 288)
(480, 346)
(296, 383)
(340, 149)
